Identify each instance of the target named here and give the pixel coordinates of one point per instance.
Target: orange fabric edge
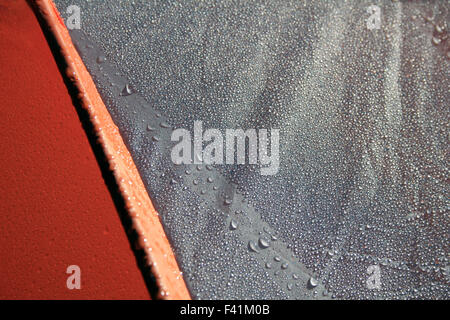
(146, 222)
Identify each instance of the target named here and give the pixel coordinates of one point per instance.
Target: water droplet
(436, 41)
(289, 286)
(127, 90)
(195, 182)
(227, 202)
(312, 283)
(233, 225)
(101, 59)
(268, 265)
(150, 128)
(263, 243)
(284, 265)
(164, 125)
(277, 259)
(252, 246)
(439, 28)
(209, 179)
(155, 138)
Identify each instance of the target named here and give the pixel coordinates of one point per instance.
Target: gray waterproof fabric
(359, 205)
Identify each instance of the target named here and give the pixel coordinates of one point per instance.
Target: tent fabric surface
(362, 116)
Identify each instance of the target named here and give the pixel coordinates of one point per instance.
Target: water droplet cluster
(363, 126)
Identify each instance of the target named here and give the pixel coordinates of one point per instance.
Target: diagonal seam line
(145, 219)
